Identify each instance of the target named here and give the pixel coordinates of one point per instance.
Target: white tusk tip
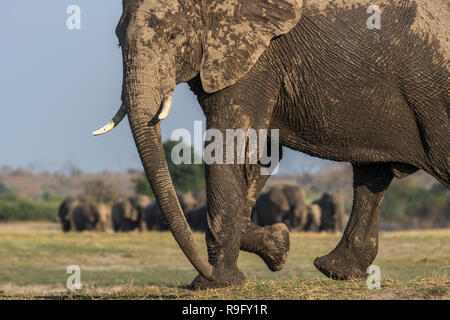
(97, 133)
(163, 116)
(105, 129)
(166, 107)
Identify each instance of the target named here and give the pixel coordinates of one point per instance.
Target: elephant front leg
(271, 243)
(225, 190)
(359, 244)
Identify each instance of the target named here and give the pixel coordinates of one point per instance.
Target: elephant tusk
(166, 106)
(113, 123)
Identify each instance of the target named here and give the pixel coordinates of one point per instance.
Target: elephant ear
(238, 32)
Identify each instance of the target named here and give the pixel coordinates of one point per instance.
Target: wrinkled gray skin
(128, 214)
(91, 216)
(281, 204)
(65, 212)
(189, 202)
(335, 89)
(333, 215)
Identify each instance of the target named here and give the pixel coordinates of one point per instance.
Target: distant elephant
(333, 215)
(128, 214)
(91, 216)
(65, 212)
(333, 81)
(197, 219)
(281, 204)
(200, 197)
(197, 216)
(154, 219)
(313, 218)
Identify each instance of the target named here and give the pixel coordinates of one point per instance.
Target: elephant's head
(139, 202)
(296, 197)
(298, 217)
(101, 212)
(314, 217)
(187, 202)
(278, 204)
(65, 213)
(200, 197)
(171, 41)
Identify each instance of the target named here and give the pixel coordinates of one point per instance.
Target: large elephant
(128, 213)
(335, 81)
(91, 216)
(281, 204)
(65, 212)
(333, 215)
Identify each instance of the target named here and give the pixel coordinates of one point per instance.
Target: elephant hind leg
(271, 243)
(441, 174)
(359, 244)
(432, 111)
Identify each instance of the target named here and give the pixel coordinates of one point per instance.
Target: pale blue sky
(58, 85)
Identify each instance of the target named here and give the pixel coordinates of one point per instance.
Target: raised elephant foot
(346, 262)
(224, 277)
(275, 246)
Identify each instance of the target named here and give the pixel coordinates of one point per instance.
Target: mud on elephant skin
(334, 88)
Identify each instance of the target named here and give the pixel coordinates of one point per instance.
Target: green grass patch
(34, 258)
(16, 208)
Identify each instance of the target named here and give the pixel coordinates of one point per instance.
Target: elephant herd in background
(287, 204)
(193, 205)
(279, 204)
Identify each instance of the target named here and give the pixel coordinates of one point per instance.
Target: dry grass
(34, 258)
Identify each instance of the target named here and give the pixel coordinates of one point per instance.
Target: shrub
(406, 202)
(16, 208)
(99, 190)
(3, 189)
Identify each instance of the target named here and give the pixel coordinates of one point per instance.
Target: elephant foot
(346, 262)
(275, 246)
(223, 277)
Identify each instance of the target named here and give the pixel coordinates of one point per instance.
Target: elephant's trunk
(142, 109)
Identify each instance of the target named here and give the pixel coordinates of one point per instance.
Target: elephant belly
(357, 130)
